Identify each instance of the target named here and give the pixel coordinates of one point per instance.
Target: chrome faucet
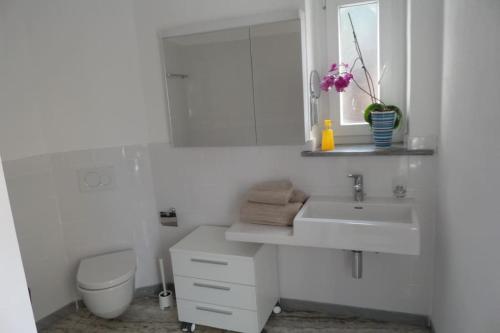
(357, 188)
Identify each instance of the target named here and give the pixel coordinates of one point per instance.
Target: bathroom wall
(72, 98)
(57, 224)
(467, 294)
(71, 78)
(102, 221)
(153, 16)
(83, 87)
(206, 184)
(20, 132)
(424, 54)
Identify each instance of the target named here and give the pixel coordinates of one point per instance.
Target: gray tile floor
(144, 316)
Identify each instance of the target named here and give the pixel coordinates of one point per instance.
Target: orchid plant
(340, 76)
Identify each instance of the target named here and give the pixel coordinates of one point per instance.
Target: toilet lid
(107, 270)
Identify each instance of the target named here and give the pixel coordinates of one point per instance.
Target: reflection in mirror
(315, 84)
(314, 95)
(236, 87)
(277, 75)
(209, 83)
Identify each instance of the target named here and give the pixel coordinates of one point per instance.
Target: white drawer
(218, 316)
(214, 267)
(215, 292)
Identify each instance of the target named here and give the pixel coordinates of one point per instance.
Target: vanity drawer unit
(224, 284)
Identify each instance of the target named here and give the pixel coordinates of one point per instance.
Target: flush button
(96, 179)
(92, 179)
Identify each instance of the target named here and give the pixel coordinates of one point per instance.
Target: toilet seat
(107, 270)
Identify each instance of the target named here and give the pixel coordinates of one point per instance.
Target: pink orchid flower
(337, 77)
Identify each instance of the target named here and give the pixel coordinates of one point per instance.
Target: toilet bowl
(106, 282)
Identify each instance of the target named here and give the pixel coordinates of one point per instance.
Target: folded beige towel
(273, 185)
(270, 197)
(299, 196)
(281, 215)
(276, 192)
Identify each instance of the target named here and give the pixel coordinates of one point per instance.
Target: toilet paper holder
(169, 218)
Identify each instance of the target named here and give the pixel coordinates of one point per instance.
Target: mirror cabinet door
(277, 78)
(236, 87)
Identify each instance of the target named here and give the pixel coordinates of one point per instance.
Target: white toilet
(106, 282)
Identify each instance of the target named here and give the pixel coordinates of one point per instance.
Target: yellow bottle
(327, 141)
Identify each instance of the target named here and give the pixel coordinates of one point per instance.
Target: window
(381, 31)
(365, 19)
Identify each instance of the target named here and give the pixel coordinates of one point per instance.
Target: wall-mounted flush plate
(96, 179)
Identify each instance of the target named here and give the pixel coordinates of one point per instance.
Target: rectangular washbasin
(375, 225)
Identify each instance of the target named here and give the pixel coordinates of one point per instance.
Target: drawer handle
(211, 286)
(204, 308)
(206, 261)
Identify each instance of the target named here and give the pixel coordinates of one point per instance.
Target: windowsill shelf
(369, 150)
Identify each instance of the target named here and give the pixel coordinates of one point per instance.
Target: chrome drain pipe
(357, 264)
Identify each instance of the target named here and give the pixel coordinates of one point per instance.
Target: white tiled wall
(206, 186)
(58, 225)
(102, 221)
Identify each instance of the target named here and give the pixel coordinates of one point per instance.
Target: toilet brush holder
(166, 300)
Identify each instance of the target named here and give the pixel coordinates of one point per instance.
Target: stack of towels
(273, 203)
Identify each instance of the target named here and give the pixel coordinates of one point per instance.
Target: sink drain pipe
(357, 264)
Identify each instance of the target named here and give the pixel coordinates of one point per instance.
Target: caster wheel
(277, 309)
(188, 327)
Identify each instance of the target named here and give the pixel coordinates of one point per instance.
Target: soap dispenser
(327, 141)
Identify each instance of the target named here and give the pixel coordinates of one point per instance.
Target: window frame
(391, 54)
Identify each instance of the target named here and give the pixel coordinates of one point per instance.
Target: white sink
(375, 225)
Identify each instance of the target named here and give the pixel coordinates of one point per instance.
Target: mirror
(315, 85)
(314, 95)
(236, 87)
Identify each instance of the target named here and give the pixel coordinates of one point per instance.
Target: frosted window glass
(365, 19)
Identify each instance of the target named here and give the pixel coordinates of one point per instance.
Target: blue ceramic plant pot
(382, 127)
